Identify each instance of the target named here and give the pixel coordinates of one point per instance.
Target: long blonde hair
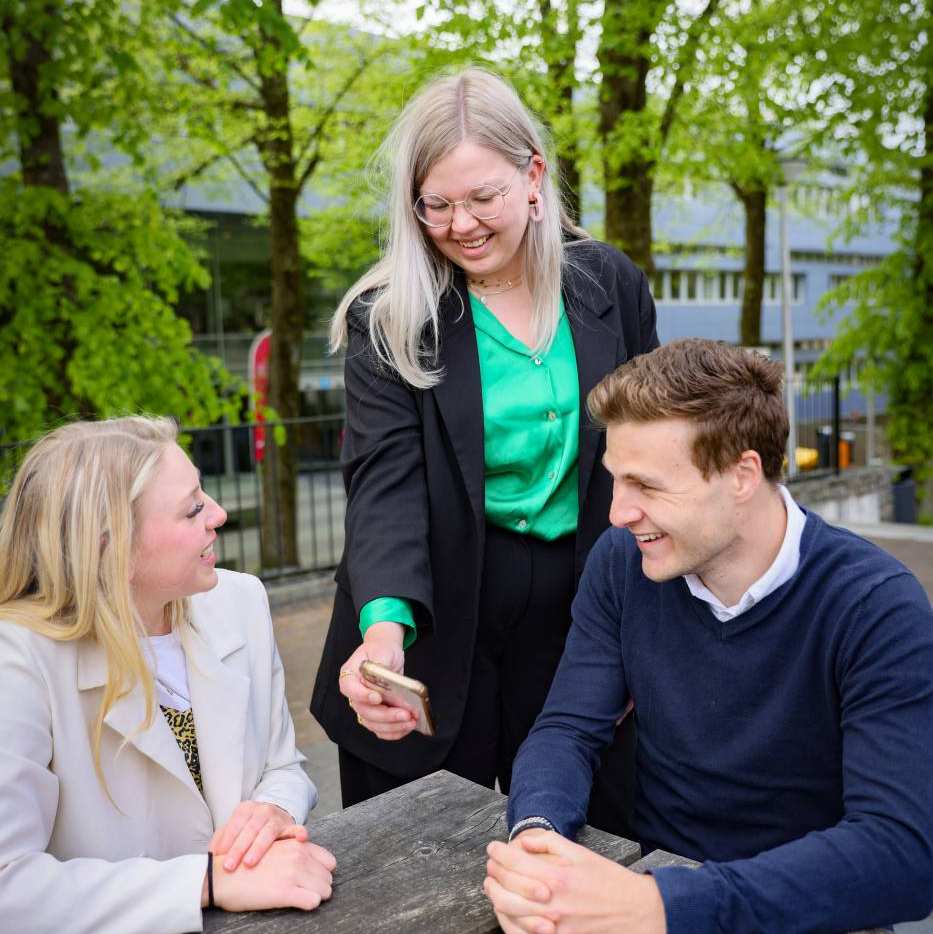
(477, 106)
(66, 540)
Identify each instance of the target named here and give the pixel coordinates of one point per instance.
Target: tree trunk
(627, 181)
(30, 38)
(279, 515)
(29, 44)
(560, 52)
(754, 200)
(568, 168)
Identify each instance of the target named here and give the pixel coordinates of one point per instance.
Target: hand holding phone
(399, 691)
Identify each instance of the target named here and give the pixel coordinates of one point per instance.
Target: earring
(536, 207)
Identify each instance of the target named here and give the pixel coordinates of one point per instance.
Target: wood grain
(412, 860)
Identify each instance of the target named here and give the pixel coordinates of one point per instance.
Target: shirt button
(523, 524)
(537, 361)
(551, 416)
(550, 475)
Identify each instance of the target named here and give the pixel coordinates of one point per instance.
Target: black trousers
(524, 615)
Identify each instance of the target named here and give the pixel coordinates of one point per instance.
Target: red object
(259, 353)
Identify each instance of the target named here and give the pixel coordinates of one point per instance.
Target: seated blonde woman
(143, 721)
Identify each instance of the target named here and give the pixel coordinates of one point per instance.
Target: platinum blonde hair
(406, 285)
(66, 545)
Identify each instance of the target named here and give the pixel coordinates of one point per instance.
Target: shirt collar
(782, 569)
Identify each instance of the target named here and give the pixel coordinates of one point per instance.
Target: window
(693, 287)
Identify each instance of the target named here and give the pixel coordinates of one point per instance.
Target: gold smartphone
(399, 691)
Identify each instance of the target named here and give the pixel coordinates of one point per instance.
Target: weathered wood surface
(412, 860)
(658, 859)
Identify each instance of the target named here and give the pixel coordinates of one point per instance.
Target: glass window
(691, 278)
(724, 293)
(737, 285)
(675, 284)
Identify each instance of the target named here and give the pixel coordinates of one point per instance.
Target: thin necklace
(502, 285)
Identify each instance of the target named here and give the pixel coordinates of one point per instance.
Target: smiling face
(683, 523)
(483, 249)
(173, 555)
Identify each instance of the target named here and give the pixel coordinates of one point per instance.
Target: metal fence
(833, 434)
(231, 474)
(226, 456)
(835, 426)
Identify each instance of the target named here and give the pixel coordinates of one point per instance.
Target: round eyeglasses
(484, 202)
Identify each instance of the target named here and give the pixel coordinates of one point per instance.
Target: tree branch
(314, 138)
(263, 196)
(684, 63)
(232, 103)
(225, 58)
(202, 166)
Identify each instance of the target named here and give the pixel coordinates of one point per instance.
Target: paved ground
(301, 624)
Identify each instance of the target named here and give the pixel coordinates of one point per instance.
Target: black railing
(231, 473)
(831, 427)
(831, 435)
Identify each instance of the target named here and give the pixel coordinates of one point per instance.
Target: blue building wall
(704, 235)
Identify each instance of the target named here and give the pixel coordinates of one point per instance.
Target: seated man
(781, 672)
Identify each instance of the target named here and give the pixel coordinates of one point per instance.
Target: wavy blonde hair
(66, 543)
(407, 283)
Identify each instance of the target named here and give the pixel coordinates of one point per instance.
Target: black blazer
(413, 466)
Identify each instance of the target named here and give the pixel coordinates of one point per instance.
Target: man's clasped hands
(542, 883)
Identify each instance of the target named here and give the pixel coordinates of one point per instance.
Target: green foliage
(889, 335)
(86, 321)
(93, 80)
(877, 66)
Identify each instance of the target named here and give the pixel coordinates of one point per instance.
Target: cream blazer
(71, 861)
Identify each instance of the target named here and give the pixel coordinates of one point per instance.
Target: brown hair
(732, 396)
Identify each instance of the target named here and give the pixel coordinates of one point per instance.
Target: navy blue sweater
(790, 748)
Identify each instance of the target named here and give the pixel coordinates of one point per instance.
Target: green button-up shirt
(531, 431)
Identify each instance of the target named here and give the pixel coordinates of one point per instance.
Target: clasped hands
(263, 859)
(542, 883)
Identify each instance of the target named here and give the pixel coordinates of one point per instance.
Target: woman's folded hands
(263, 859)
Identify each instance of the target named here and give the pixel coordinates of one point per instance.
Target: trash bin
(846, 449)
(824, 446)
(904, 491)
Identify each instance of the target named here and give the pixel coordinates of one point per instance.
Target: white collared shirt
(782, 568)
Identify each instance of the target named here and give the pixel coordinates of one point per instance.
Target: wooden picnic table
(413, 861)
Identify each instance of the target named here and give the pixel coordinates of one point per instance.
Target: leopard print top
(181, 723)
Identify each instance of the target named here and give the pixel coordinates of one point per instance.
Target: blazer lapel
(158, 743)
(597, 350)
(459, 395)
(220, 698)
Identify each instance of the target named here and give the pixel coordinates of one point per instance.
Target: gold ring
(346, 673)
(359, 720)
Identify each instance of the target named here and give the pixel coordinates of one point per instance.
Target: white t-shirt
(166, 660)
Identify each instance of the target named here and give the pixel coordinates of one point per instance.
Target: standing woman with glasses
(474, 488)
